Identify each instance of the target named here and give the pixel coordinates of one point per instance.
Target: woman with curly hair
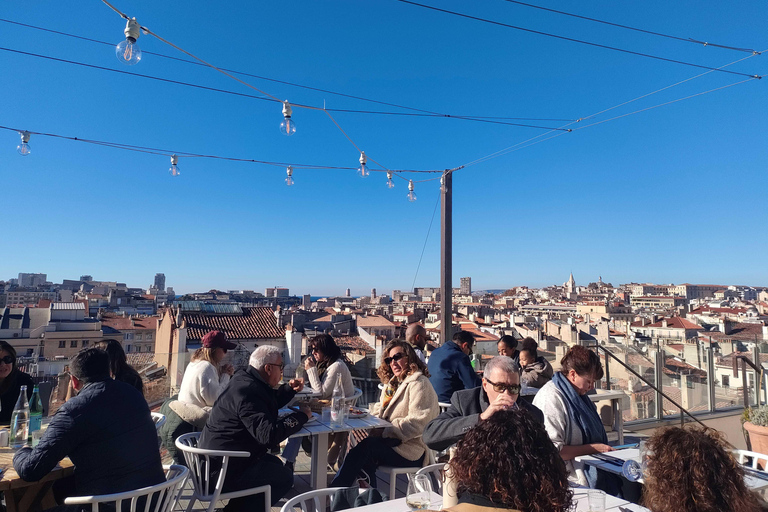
(509, 462)
(691, 470)
(409, 402)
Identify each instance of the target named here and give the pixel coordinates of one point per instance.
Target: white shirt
(329, 380)
(201, 385)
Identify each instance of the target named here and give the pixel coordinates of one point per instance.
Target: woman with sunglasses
(571, 418)
(11, 380)
(409, 402)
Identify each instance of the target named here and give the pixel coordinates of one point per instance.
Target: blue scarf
(583, 413)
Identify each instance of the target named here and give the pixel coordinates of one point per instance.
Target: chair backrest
(741, 456)
(317, 497)
(157, 498)
(436, 473)
(199, 463)
(352, 400)
(159, 419)
(45, 389)
(443, 406)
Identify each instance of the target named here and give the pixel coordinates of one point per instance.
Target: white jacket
(201, 385)
(325, 387)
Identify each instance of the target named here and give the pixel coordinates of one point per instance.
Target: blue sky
(672, 194)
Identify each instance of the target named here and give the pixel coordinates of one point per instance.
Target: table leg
(618, 420)
(319, 463)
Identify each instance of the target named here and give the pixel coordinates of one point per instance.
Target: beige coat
(411, 408)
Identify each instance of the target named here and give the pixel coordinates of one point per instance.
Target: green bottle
(35, 417)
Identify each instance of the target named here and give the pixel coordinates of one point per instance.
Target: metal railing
(609, 355)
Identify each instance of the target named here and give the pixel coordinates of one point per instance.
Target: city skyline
(667, 194)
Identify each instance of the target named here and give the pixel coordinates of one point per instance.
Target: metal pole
(711, 378)
(446, 257)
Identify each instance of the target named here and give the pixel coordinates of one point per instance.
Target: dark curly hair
(510, 460)
(385, 372)
(691, 470)
(583, 361)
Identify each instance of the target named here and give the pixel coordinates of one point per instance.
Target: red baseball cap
(216, 339)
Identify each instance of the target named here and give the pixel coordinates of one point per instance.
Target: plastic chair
(443, 406)
(159, 419)
(393, 472)
(199, 462)
(165, 495)
(352, 401)
(318, 498)
(435, 472)
(741, 456)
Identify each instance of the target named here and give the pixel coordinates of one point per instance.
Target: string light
(24, 148)
(390, 183)
(288, 126)
(289, 179)
(363, 169)
(411, 195)
(174, 170)
(128, 52)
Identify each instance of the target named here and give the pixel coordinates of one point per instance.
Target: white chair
(318, 498)
(352, 400)
(165, 495)
(199, 462)
(394, 472)
(443, 406)
(435, 472)
(741, 455)
(159, 419)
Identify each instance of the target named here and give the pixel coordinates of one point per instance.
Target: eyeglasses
(7, 360)
(281, 365)
(396, 357)
(514, 389)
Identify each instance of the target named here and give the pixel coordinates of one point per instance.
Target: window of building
(149, 336)
(127, 348)
(726, 381)
(85, 343)
(62, 344)
(73, 344)
(139, 337)
(128, 336)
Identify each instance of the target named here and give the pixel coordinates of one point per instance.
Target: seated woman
(691, 470)
(571, 418)
(323, 371)
(536, 370)
(11, 380)
(508, 462)
(118, 364)
(507, 346)
(409, 402)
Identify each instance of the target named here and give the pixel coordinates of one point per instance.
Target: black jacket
(244, 417)
(9, 397)
(108, 433)
(462, 415)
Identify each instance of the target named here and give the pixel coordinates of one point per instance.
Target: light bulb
(289, 179)
(390, 183)
(288, 126)
(174, 170)
(363, 169)
(24, 148)
(411, 195)
(128, 52)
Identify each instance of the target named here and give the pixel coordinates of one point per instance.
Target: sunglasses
(396, 357)
(514, 389)
(7, 360)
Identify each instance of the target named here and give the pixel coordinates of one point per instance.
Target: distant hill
(483, 292)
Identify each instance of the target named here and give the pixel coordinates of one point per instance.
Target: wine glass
(633, 470)
(419, 495)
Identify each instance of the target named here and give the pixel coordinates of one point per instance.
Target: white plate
(362, 413)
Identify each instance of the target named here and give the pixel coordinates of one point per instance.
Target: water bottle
(35, 417)
(337, 405)
(20, 421)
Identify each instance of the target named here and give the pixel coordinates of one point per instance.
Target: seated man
(244, 417)
(449, 366)
(106, 430)
(500, 389)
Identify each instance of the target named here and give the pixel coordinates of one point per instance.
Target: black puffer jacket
(108, 433)
(244, 417)
(9, 397)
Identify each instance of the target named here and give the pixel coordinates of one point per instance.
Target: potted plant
(756, 425)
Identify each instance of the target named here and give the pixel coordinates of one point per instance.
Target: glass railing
(642, 401)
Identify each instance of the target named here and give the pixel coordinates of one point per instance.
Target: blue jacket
(450, 370)
(108, 433)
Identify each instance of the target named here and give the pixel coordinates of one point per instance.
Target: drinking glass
(419, 493)
(596, 500)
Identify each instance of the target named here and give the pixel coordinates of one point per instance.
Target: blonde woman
(205, 378)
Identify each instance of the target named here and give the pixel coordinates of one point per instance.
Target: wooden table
(22, 496)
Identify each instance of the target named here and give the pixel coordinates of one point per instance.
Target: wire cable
(684, 39)
(571, 39)
(429, 230)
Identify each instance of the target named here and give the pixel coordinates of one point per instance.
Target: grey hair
(503, 364)
(264, 355)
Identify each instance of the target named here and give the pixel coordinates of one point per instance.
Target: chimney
(664, 322)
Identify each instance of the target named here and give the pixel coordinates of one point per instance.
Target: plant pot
(758, 437)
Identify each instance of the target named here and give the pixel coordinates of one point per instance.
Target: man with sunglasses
(245, 417)
(450, 369)
(499, 391)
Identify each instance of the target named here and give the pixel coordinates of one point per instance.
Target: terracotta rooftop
(120, 323)
(677, 322)
(373, 321)
(254, 323)
(741, 331)
(353, 343)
